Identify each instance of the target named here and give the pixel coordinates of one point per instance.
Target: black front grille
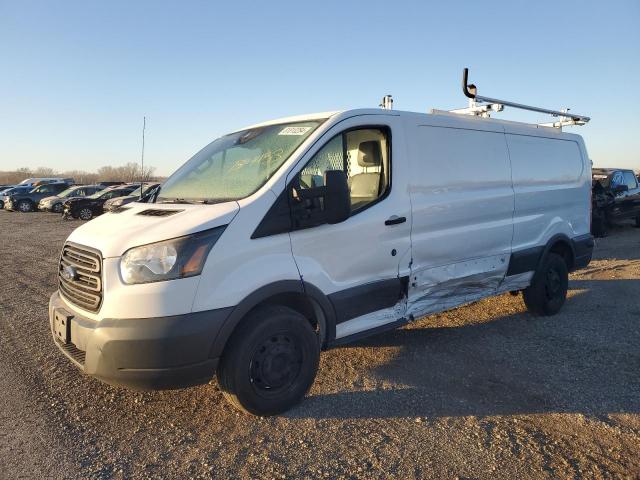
(80, 276)
(159, 213)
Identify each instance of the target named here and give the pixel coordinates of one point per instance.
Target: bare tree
(130, 172)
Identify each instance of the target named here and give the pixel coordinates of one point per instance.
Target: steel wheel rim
(276, 364)
(553, 284)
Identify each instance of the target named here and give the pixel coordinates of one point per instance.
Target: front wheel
(57, 208)
(85, 214)
(548, 289)
(25, 206)
(270, 362)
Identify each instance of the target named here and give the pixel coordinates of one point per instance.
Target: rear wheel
(548, 289)
(270, 362)
(85, 214)
(25, 206)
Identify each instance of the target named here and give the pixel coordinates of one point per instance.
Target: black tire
(270, 361)
(85, 214)
(57, 208)
(548, 289)
(24, 206)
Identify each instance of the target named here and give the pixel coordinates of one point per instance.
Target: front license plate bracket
(62, 326)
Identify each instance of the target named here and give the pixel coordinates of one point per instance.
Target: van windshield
(236, 165)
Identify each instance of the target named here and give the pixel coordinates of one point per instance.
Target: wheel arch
(562, 245)
(302, 297)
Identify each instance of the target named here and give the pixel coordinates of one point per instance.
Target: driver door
(362, 263)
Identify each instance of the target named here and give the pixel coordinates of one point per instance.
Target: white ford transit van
(292, 236)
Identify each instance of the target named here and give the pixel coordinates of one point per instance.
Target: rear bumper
(583, 250)
(142, 353)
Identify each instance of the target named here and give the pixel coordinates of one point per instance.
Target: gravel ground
(483, 391)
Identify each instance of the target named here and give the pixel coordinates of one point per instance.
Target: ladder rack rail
(471, 92)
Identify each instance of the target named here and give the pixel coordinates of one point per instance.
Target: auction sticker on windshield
(294, 130)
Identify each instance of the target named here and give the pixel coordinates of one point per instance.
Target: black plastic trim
(264, 294)
(363, 299)
(524, 260)
(527, 260)
(583, 250)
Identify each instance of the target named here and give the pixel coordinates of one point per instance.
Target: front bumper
(142, 353)
(45, 208)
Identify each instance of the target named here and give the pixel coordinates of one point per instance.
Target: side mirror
(337, 198)
(621, 188)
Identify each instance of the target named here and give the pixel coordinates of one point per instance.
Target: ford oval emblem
(69, 273)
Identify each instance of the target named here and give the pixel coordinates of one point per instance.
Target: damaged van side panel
(463, 203)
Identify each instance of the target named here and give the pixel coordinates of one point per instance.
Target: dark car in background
(86, 208)
(111, 184)
(4, 194)
(615, 196)
(148, 189)
(55, 202)
(27, 202)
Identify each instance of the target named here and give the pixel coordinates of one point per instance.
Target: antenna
(483, 106)
(144, 125)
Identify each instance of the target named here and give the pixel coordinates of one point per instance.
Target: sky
(77, 77)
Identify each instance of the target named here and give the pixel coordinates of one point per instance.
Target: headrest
(370, 154)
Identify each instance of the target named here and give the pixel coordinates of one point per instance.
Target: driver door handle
(395, 220)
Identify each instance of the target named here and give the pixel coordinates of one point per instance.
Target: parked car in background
(135, 196)
(4, 195)
(111, 184)
(34, 182)
(55, 202)
(615, 196)
(86, 208)
(28, 202)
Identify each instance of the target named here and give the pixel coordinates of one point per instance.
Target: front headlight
(168, 260)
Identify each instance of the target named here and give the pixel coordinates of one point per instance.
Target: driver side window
(363, 154)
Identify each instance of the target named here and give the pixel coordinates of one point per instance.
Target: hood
(51, 198)
(115, 232)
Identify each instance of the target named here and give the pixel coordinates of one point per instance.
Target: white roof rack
(483, 107)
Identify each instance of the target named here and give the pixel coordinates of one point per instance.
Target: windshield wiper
(177, 200)
(204, 201)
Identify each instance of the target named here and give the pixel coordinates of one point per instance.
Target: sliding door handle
(395, 220)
